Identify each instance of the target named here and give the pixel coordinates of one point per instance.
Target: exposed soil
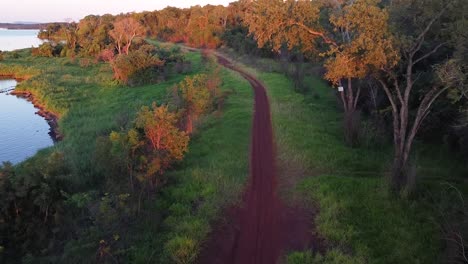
(264, 228)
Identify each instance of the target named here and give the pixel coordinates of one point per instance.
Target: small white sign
(340, 89)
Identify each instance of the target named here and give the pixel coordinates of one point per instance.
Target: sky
(65, 10)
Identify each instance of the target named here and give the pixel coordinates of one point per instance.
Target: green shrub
(138, 67)
(300, 258)
(182, 250)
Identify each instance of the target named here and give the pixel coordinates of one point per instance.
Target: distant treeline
(203, 27)
(23, 26)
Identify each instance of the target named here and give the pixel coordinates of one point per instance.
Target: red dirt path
(264, 227)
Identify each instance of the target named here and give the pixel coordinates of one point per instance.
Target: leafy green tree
(194, 97)
(418, 41)
(126, 147)
(93, 34)
(34, 215)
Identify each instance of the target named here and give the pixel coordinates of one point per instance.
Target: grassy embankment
(210, 178)
(87, 99)
(361, 220)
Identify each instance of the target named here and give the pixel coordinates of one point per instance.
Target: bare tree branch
(420, 38)
(429, 53)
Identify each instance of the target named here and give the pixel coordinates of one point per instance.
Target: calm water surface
(18, 39)
(22, 132)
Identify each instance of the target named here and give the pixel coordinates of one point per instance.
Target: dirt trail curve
(263, 228)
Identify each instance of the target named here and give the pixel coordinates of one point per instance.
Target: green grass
(361, 220)
(210, 178)
(88, 101)
(360, 217)
(312, 127)
(357, 215)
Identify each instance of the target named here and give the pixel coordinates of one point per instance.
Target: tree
(93, 34)
(172, 22)
(354, 40)
(418, 40)
(362, 39)
(193, 95)
(165, 142)
(58, 34)
(206, 25)
(125, 147)
(294, 23)
(366, 46)
(70, 31)
(34, 213)
(125, 30)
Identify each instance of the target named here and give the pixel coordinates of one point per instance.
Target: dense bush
(138, 67)
(47, 50)
(34, 211)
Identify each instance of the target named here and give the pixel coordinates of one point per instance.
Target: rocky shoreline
(50, 117)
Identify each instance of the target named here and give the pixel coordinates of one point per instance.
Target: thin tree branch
(313, 32)
(389, 95)
(397, 87)
(429, 53)
(356, 99)
(421, 36)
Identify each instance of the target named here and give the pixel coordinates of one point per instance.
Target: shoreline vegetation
(52, 118)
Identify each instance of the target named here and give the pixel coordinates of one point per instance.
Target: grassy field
(87, 99)
(357, 215)
(361, 220)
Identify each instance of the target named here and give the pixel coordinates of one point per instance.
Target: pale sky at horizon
(59, 10)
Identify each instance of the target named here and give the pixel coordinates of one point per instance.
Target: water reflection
(22, 132)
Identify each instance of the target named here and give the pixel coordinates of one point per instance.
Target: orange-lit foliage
(295, 23)
(165, 142)
(355, 41)
(171, 24)
(125, 30)
(206, 26)
(367, 45)
(149, 149)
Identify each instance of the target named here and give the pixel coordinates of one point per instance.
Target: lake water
(18, 39)
(22, 132)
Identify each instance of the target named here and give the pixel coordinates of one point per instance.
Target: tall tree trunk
(351, 116)
(404, 129)
(189, 124)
